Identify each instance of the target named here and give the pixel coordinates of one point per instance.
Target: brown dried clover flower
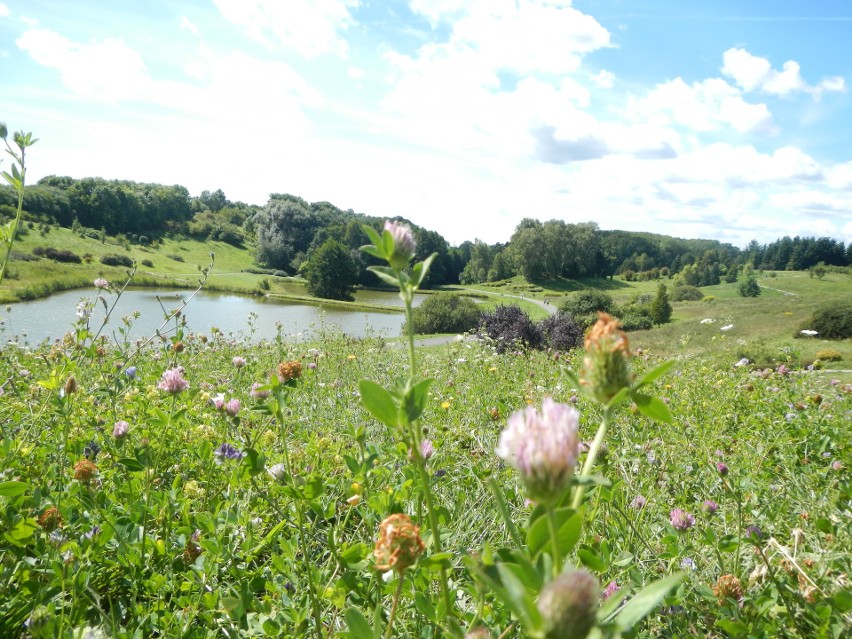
(606, 367)
(728, 587)
(85, 470)
(399, 544)
(50, 519)
(289, 370)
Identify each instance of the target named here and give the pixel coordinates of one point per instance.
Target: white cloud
(4, 10)
(705, 106)
(754, 73)
(839, 176)
(310, 27)
(604, 79)
(812, 202)
(186, 23)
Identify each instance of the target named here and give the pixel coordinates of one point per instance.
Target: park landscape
(686, 478)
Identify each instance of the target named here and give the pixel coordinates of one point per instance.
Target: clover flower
(120, 429)
(218, 401)
(173, 382)
(611, 588)
(101, 283)
(239, 361)
(403, 244)
(289, 370)
(709, 506)
(606, 365)
(681, 520)
(50, 519)
(728, 587)
(639, 502)
(543, 448)
(130, 372)
(278, 472)
(257, 393)
(232, 407)
(569, 605)
(85, 470)
(399, 544)
(722, 468)
(227, 452)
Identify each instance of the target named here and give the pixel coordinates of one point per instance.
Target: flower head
(120, 429)
(130, 372)
(227, 452)
(239, 361)
(257, 393)
(569, 605)
(639, 502)
(232, 407)
(611, 588)
(101, 283)
(85, 471)
(218, 401)
(84, 310)
(709, 506)
(606, 365)
(722, 468)
(543, 448)
(278, 472)
(728, 587)
(399, 544)
(50, 519)
(681, 520)
(427, 449)
(403, 244)
(173, 382)
(289, 370)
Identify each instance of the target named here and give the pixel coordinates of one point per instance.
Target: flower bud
(606, 365)
(403, 244)
(569, 605)
(399, 544)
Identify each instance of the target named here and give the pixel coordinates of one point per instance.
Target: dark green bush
(830, 322)
(586, 302)
(749, 288)
(446, 313)
(111, 259)
(686, 293)
(148, 263)
(57, 255)
(636, 321)
(511, 327)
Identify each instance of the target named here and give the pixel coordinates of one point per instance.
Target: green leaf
(379, 402)
(590, 559)
(385, 273)
(424, 606)
(646, 600)
(419, 271)
(654, 373)
(359, 627)
(256, 462)
(131, 464)
(13, 488)
(652, 407)
(373, 235)
(569, 524)
(519, 597)
(415, 399)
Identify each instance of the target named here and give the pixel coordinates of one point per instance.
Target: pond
(238, 315)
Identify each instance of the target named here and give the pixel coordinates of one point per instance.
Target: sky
(724, 120)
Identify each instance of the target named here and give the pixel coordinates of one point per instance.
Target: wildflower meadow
(190, 485)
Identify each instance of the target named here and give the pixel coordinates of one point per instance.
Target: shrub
(57, 255)
(446, 313)
(176, 258)
(111, 259)
(148, 263)
(829, 355)
(510, 326)
(833, 322)
(561, 332)
(636, 322)
(749, 288)
(686, 293)
(589, 301)
(708, 298)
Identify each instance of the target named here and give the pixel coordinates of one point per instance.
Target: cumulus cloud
(311, 27)
(754, 73)
(4, 10)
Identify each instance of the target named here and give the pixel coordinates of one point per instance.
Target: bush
(111, 259)
(51, 253)
(148, 263)
(636, 322)
(509, 326)
(176, 258)
(749, 288)
(589, 301)
(446, 313)
(829, 355)
(686, 293)
(833, 322)
(561, 332)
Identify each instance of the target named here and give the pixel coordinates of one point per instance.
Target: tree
(331, 272)
(749, 288)
(661, 309)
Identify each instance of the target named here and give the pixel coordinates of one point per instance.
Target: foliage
(331, 272)
(446, 313)
(830, 322)
(561, 332)
(829, 355)
(17, 180)
(111, 259)
(588, 302)
(636, 321)
(660, 308)
(748, 288)
(510, 327)
(57, 255)
(686, 293)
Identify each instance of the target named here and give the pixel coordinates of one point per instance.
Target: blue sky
(724, 120)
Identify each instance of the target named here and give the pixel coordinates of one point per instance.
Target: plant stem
(554, 539)
(394, 605)
(781, 592)
(590, 459)
(14, 230)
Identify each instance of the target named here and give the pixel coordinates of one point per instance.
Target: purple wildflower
(754, 533)
(101, 283)
(681, 520)
(610, 590)
(130, 372)
(427, 449)
(259, 394)
(687, 563)
(403, 244)
(709, 506)
(543, 448)
(722, 468)
(218, 401)
(232, 407)
(312, 366)
(238, 361)
(120, 430)
(173, 382)
(227, 452)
